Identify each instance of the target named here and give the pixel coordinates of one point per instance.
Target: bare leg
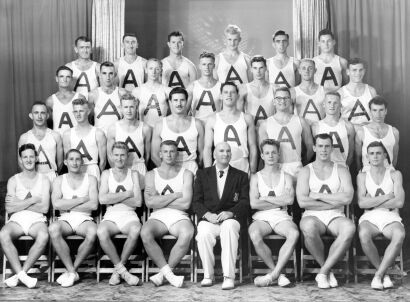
(257, 231)
(105, 231)
(132, 230)
(184, 231)
(39, 232)
(150, 230)
(88, 229)
(367, 231)
(395, 232)
(312, 229)
(9, 232)
(58, 230)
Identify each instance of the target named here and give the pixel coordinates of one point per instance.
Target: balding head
(222, 154)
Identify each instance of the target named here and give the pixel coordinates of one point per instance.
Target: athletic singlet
(236, 72)
(310, 107)
(131, 75)
(289, 136)
(63, 116)
(328, 75)
(134, 141)
(153, 104)
(168, 186)
(120, 186)
(282, 77)
(23, 193)
(86, 80)
(235, 134)
(46, 151)
(87, 145)
(385, 187)
(106, 111)
(176, 77)
(265, 190)
(186, 140)
(388, 141)
(205, 101)
(259, 108)
(70, 193)
(356, 109)
(339, 139)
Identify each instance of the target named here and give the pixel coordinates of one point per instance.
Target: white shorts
(74, 219)
(190, 165)
(92, 169)
(380, 217)
(292, 168)
(273, 216)
(169, 216)
(27, 218)
(121, 218)
(325, 216)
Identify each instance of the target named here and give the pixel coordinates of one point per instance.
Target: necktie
(221, 173)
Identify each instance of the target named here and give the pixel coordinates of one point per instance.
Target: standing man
(85, 70)
(323, 189)
(75, 195)
(130, 68)
(169, 193)
(48, 143)
(282, 68)
(232, 65)
(177, 69)
(27, 200)
(331, 69)
(381, 194)
(341, 130)
(221, 202)
(186, 131)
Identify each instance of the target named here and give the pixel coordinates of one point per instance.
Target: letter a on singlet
(153, 104)
(167, 188)
(234, 77)
(41, 155)
(113, 110)
(235, 137)
(379, 191)
(272, 193)
(312, 110)
(82, 81)
(325, 188)
(65, 120)
(175, 80)
(358, 105)
(328, 75)
(286, 137)
(28, 196)
(184, 148)
(83, 150)
(337, 142)
(132, 147)
(281, 80)
(120, 188)
(260, 114)
(202, 101)
(131, 81)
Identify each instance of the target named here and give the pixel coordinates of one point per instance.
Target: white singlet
(310, 107)
(259, 108)
(282, 77)
(63, 116)
(131, 75)
(46, 151)
(114, 187)
(85, 80)
(87, 145)
(388, 141)
(106, 110)
(356, 109)
(176, 77)
(236, 72)
(205, 101)
(153, 104)
(328, 75)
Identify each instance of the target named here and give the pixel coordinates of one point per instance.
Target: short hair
(334, 93)
(25, 147)
(326, 32)
(82, 38)
(80, 101)
(38, 103)
(378, 100)
(279, 33)
(73, 151)
(206, 54)
(176, 33)
(129, 35)
(322, 136)
(178, 90)
(258, 58)
(63, 67)
(120, 145)
(129, 97)
(270, 142)
(233, 29)
(376, 144)
(307, 60)
(168, 142)
(356, 61)
(107, 64)
(283, 88)
(155, 60)
(229, 84)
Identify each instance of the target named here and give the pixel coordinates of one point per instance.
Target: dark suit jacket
(235, 196)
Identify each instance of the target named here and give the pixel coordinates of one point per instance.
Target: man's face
(153, 70)
(168, 154)
(307, 70)
(356, 73)
(258, 70)
(39, 115)
(107, 75)
(130, 45)
(175, 44)
(129, 109)
(376, 156)
(28, 159)
(332, 105)
(81, 112)
(326, 43)
(378, 113)
(281, 44)
(64, 78)
(74, 162)
(222, 153)
(120, 157)
(206, 66)
(229, 95)
(232, 41)
(178, 103)
(282, 101)
(83, 49)
(323, 148)
(270, 155)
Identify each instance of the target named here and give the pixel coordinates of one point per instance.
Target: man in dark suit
(221, 202)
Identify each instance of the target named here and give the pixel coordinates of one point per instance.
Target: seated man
(120, 191)
(75, 195)
(221, 202)
(323, 189)
(168, 191)
(27, 199)
(271, 191)
(381, 194)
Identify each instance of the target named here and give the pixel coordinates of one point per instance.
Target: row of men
(221, 197)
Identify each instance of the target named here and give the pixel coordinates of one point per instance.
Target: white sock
(26, 279)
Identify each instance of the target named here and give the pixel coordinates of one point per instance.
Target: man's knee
(5, 237)
(204, 234)
(365, 235)
(398, 236)
(134, 232)
(55, 230)
(309, 227)
(347, 230)
(147, 235)
(91, 233)
(293, 235)
(255, 235)
(230, 225)
(102, 233)
(42, 238)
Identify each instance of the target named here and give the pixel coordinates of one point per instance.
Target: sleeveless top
(134, 141)
(259, 108)
(70, 193)
(175, 77)
(131, 75)
(85, 80)
(87, 145)
(328, 75)
(356, 109)
(46, 151)
(168, 186)
(388, 141)
(120, 186)
(385, 187)
(106, 111)
(310, 107)
(205, 101)
(153, 105)
(63, 116)
(283, 77)
(23, 193)
(236, 72)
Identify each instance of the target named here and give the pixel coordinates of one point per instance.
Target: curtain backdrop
(107, 29)
(36, 37)
(309, 17)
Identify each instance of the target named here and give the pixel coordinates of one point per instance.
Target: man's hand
(224, 216)
(211, 217)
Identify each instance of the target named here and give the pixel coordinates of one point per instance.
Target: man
(75, 195)
(152, 95)
(271, 192)
(341, 130)
(27, 200)
(48, 143)
(130, 68)
(290, 131)
(88, 140)
(60, 104)
(106, 98)
(257, 96)
(221, 202)
(323, 189)
(121, 193)
(204, 93)
(377, 130)
(282, 68)
(85, 71)
(186, 131)
(381, 194)
(168, 192)
(331, 69)
(177, 69)
(356, 95)
(232, 65)
(308, 96)
(234, 127)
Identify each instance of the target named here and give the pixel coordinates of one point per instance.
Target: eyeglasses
(282, 98)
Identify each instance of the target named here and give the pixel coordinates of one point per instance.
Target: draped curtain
(107, 29)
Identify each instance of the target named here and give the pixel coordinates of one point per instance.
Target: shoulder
(395, 131)
(372, 90)
(99, 134)
(396, 175)
(92, 180)
(105, 174)
(343, 62)
(56, 135)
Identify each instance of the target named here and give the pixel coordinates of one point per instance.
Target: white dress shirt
(221, 180)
